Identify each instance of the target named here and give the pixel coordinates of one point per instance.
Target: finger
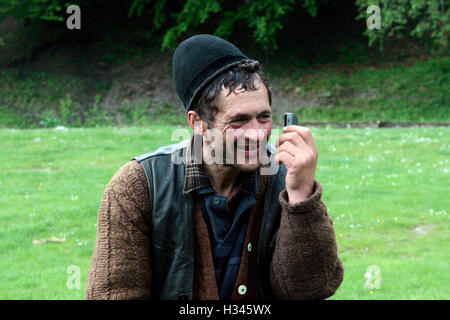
(293, 149)
(292, 137)
(284, 157)
(303, 155)
(304, 132)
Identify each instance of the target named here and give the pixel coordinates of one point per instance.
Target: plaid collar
(196, 178)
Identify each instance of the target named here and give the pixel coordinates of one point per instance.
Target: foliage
(172, 19)
(264, 17)
(33, 9)
(422, 19)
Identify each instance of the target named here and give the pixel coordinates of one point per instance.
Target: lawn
(386, 191)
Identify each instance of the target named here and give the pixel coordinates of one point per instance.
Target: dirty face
(244, 123)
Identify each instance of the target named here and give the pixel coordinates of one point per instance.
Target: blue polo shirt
(227, 221)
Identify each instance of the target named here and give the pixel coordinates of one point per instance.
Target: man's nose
(254, 131)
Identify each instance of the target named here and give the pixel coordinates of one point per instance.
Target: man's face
(245, 123)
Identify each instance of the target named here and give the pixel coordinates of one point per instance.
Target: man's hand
(298, 151)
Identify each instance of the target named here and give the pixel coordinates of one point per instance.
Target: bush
(425, 20)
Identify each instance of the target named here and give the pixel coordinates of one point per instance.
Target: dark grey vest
(173, 230)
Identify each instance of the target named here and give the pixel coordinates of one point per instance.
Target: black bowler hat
(198, 60)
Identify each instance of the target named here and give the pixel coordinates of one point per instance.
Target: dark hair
(244, 75)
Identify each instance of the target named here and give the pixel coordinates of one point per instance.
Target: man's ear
(197, 125)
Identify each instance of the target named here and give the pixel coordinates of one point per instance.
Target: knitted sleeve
(305, 263)
(120, 265)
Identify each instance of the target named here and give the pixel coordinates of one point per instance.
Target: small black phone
(290, 119)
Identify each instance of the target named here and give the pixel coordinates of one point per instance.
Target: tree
(170, 19)
(264, 17)
(421, 19)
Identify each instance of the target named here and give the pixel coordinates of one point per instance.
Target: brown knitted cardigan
(305, 264)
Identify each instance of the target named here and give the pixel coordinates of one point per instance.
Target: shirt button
(216, 201)
(242, 290)
(249, 247)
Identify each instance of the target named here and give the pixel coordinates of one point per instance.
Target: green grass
(404, 93)
(381, 187)
(413, 92)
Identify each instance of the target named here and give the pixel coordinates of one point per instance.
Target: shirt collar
(195, 176)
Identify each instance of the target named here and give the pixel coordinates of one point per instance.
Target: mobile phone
(290, 119)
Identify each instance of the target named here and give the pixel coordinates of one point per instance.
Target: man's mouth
(249, 150)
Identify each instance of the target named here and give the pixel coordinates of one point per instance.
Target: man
(205, 218)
